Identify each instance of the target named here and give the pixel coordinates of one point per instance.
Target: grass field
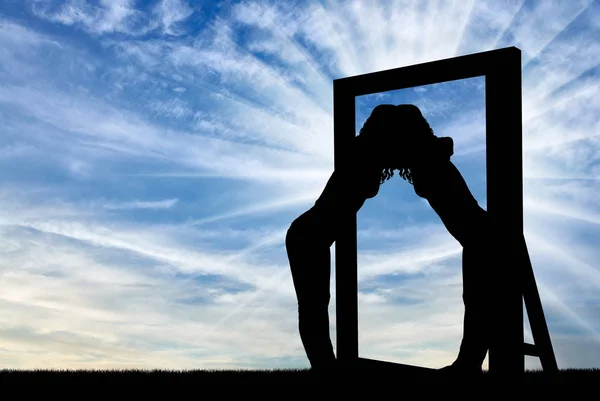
(577, 378)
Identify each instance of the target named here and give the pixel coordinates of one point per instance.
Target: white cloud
(13, 34)
(172, 12)
(18, 44)
(107, 17)
(164, 204)
(172, 107)
(15, 150)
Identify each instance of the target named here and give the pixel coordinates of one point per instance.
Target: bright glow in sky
(153, 155)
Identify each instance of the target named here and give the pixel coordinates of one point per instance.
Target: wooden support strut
(539, 329)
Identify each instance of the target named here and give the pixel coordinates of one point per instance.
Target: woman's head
(394, 132)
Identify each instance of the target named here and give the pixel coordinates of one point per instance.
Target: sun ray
(308, 59)
(399, 18)
(557, 35)
(278, 237)
(577, 267)
(467, 22)
(566, 178)
(558, 142)
(555, 98)
(339, 34)
(275, 280)
(551, 298)
(508, 26)
(259, 208)
(570, 211)
(221, 30)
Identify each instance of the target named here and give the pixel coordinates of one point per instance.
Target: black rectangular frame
(504, 169)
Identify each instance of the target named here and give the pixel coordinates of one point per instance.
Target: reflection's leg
(310, 262)
(477, 263)
(476, 298)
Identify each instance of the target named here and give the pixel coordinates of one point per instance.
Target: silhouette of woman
(392, 138)
(310, 236)
(435, 178)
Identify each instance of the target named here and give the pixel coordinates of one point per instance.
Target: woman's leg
(310, 263)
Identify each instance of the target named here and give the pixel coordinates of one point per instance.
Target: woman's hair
(396, 128)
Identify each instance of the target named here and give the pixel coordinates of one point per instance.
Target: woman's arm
(372, 182)
(365, 174)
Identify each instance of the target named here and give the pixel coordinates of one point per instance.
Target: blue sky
(153, 155)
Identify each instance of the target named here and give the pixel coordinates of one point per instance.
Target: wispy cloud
(106, 17)
(164, 204)
(171, 12)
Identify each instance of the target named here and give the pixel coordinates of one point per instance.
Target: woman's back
(350, 189)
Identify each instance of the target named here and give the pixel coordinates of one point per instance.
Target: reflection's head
(395, 131)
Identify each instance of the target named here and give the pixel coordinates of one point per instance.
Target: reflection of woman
(436, 179)
(311, 235)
